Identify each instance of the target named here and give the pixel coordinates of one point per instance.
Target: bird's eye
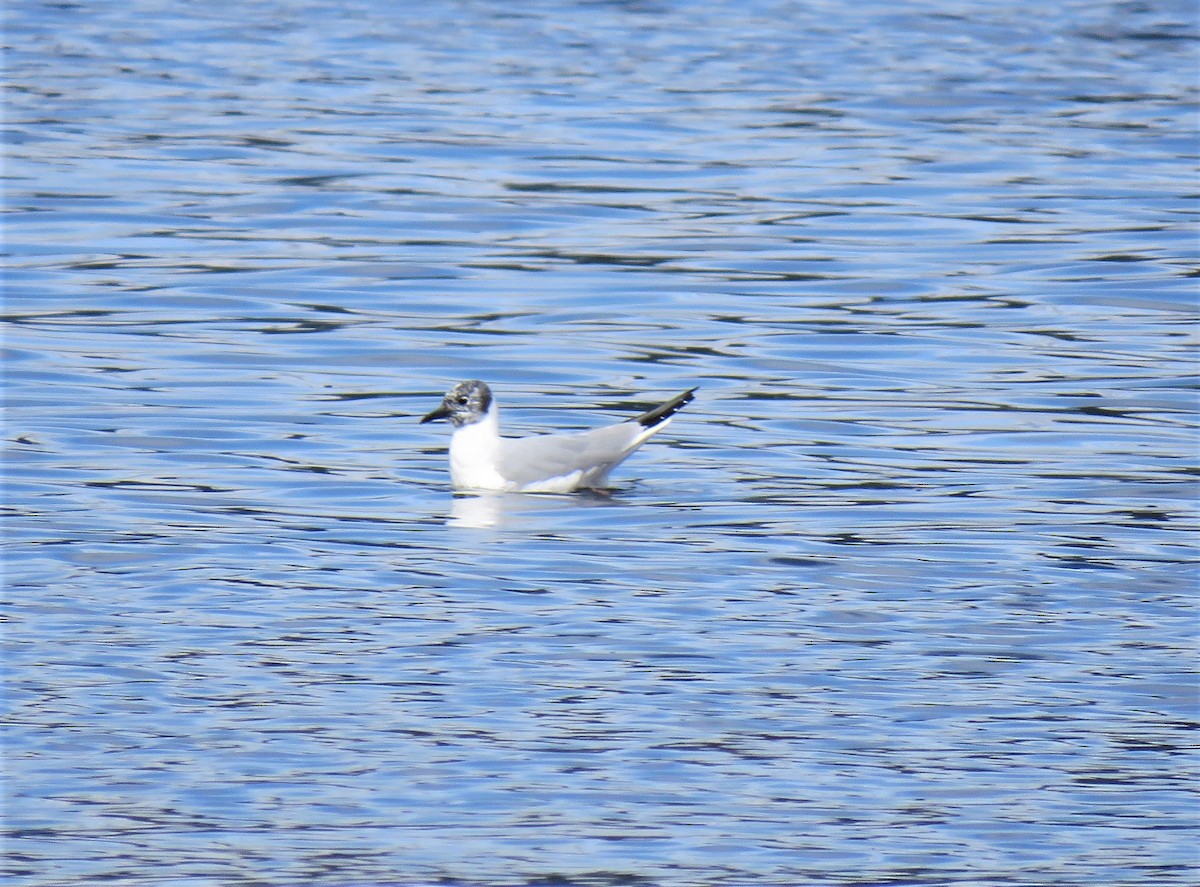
(461, 399)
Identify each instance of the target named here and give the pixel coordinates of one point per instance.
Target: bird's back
(585, 458)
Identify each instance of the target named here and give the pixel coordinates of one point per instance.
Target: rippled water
(905, 597)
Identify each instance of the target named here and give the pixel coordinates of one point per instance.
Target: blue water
(906, 596)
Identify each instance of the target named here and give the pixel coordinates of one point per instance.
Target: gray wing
(528, 459)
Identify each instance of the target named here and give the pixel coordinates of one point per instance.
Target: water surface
(906, 596)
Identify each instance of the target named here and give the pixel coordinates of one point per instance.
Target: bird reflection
(489, 509)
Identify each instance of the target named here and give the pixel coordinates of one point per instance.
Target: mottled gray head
(463, 404)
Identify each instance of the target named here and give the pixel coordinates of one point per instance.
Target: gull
(480, 459)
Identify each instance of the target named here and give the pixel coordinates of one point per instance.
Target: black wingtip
(666, 410)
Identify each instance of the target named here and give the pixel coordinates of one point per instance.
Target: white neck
(474, 451)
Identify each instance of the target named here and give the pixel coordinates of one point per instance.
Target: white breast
(474, 450)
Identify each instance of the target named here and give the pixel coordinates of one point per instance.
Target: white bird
(480, 459)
